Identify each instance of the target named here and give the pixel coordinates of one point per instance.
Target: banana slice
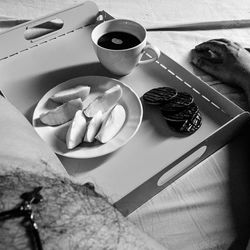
(61, 114)
(112, 124)
(76, 130)
(104, 102)
(70, 94)
(93, 127)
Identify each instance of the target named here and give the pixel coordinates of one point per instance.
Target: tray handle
(13, 41)
(175, 170)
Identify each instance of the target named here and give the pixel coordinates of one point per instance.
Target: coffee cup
(120, 45)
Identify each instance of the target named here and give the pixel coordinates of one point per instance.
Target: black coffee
(118, 40)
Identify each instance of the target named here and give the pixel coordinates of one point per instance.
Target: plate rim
(75, 154)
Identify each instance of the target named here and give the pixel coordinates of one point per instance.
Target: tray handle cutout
(23, 37)
(40, 30)
(181, 166)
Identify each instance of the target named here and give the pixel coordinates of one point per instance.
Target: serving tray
(156, 156)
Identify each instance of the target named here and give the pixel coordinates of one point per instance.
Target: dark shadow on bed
(239, 187)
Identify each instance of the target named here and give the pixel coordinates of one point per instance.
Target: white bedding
(194, 212)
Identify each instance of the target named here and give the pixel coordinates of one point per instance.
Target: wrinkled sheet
(194, 212)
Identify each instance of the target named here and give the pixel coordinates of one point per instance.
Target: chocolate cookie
(177, 108)
(178, 103)
(184, 114)
(158, 96)
(188, 126)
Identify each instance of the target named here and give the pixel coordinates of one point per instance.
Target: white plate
(55, 135)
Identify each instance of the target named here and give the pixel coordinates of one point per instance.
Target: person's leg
(70, 216)
(21, 147)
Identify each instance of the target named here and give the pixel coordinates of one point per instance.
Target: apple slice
(104, 102)
(71, 93)
(112, 124)
(76, 130)
(61, 114)
(90, 98)
(93, 127)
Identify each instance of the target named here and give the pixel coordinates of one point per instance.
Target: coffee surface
(118, 40)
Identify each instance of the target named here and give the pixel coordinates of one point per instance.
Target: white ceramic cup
(123, 61)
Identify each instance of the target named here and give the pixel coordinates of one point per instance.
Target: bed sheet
(194, 212)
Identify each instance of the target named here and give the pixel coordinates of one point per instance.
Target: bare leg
(71, 216)
(20, 146)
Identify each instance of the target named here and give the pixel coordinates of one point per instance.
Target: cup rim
(115, 20)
